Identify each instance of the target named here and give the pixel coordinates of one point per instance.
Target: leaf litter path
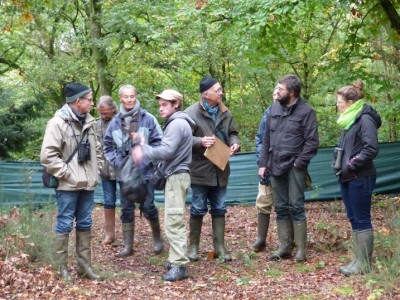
(249, 276)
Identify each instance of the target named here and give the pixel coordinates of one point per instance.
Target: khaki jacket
(63, 133)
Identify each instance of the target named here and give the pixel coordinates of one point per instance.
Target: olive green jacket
(203, 171)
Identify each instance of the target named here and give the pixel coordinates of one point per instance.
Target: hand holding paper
(218, 153)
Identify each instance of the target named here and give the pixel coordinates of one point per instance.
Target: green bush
(26, 231)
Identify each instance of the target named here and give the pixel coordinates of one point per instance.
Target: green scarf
(346, 119)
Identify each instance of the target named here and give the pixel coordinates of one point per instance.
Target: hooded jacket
(175, 149)
(360, 145)
(62, 135)
(203, 171)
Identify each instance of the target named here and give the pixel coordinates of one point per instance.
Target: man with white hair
(117, 145)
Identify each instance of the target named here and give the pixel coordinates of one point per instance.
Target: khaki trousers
(175, 193)
(264, 200)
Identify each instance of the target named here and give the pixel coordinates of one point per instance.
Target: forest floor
(249, 276)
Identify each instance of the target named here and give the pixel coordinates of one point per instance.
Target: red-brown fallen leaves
(249, 276)
(12, 215)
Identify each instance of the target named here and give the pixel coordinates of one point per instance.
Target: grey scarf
(128, 115)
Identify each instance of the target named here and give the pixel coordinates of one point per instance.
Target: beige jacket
(63, 133)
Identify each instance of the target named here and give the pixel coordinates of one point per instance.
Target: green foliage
(246, 45)
(15, 124)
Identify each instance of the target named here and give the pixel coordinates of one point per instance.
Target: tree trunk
(99, 53)
(392, 14)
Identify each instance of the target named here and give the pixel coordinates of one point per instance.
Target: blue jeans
(110, 193)
(356, 196)
(149, 209)
(288, 191)
(215, 196)
(72, 205)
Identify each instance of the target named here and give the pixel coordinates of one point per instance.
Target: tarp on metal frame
(20, 182)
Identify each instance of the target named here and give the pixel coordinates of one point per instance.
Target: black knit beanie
(206, 83)
(75, 90)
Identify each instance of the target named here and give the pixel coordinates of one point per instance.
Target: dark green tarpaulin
(20, 182)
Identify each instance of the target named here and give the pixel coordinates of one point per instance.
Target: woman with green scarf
(356, 171)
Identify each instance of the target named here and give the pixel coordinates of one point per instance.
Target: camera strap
(77, 146)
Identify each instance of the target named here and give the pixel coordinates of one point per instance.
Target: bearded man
(290, 142)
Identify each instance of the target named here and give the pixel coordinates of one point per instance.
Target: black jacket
(360, 145)
(290, 138)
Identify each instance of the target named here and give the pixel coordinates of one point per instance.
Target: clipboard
(218, 154)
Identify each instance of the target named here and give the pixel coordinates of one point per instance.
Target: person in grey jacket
(290, 142)
(107, 109)
(209, 183)
(175, 151)
(71, 126)
(356, 172)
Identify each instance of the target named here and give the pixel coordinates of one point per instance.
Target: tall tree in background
(247, 45)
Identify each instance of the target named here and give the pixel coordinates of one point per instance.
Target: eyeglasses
(220, 90)
(126, 97)
(89, 99)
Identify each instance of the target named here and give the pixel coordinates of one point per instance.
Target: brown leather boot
(109, 225)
